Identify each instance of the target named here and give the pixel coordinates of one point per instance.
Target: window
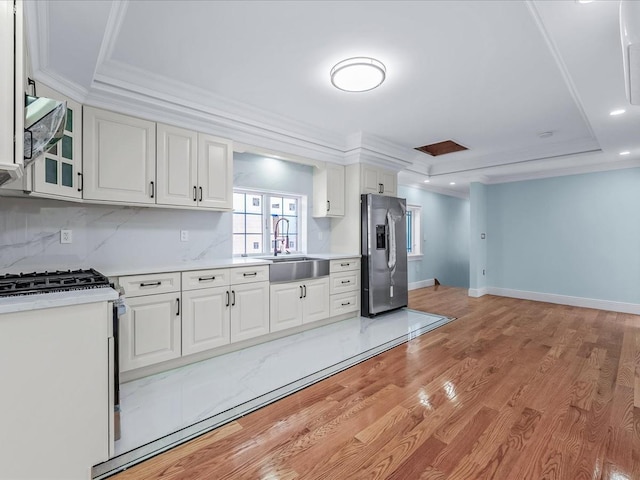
(256, 215)
(414, 233)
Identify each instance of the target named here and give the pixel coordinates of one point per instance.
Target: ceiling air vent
(441, 148)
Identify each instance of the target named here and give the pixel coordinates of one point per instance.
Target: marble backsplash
(111, 238)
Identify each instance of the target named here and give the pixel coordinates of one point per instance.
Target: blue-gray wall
(477, 244)
(445, 237)
(575, 235)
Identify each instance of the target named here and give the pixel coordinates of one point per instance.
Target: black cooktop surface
(44, 282)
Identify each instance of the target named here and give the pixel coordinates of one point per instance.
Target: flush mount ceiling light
(626, 152)
(620, 111)
(358, 74)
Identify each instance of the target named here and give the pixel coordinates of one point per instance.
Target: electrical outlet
(483, 271)
(184, 235)
(66, 236)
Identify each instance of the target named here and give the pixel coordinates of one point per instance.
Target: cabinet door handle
(345, 264)
(380, 188)
(305, 291)
(195, 194)
(151, 284)
(233, 302)
(345, 304)
(80, 182)
(328, 205)
(227, 292)
(300, 291)
(178, 303)
(206, 279)
(253, 274)
(345, 281)
(200, 193)
(153, 189)
(382, 185)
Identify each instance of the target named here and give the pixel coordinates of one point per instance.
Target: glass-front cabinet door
(59, 170)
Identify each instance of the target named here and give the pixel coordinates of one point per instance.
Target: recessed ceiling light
(358, 74)
(620, 111)
(452, 183)
(427, 181)
(584, 1)
(626, 152)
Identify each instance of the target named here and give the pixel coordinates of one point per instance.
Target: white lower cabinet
(205, 319)
(249, 310)
(150, 331)
(295, 303)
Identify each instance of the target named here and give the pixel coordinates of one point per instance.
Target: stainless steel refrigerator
(383, 234)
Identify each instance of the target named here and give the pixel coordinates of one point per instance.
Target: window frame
(415, 228)
(267, 221)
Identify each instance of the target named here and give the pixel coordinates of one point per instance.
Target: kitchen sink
(289, 269)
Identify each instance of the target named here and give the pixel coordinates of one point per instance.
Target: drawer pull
(345, 264)
(345, 281)
(206, 279)
(345, 304)
(152, 284)
(250, 274)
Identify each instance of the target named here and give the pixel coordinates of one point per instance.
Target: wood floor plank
(512, 390)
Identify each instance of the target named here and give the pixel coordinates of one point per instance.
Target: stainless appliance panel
(384, 272)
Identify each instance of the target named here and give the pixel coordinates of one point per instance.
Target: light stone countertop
(38, 301)
(209, 264)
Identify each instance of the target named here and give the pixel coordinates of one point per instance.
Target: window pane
(67, 147)
(293, 242)
(51, 171)
(69, 125)
(276, 206)
(67, 174)
(293, 225)
(290, 206)
(238, 202)
(254, 243)
(254, 224)
(238, 245)
(254, 203)
(238, 223)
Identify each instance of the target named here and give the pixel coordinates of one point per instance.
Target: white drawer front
(345, 282)
(344, 265)
(345, 303)
(259, 273)
(197, 279)
(137, 285)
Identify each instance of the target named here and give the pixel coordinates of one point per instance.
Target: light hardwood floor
(512, 390)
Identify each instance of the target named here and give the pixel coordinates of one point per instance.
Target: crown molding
(562, 172)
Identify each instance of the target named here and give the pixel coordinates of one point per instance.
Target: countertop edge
(24, 303)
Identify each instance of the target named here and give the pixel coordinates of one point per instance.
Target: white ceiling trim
(111, 32)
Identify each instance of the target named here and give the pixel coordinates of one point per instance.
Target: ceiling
(490, 75)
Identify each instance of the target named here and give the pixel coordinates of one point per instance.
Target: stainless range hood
(44, 122)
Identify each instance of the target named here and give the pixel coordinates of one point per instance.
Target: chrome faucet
(275, 236)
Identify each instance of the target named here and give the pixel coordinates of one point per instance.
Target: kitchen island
(56, 372)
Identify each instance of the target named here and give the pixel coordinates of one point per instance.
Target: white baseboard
(429, 282)
(622, 307)
(478, 292)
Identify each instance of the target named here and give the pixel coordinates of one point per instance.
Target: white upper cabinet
(177, 166)
(59, 171)
(11, 90)
(194, 169)
(378, 180)
(119, 155)
(328, 191)
(215, 172)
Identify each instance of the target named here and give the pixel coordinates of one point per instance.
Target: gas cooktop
(45, 282)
